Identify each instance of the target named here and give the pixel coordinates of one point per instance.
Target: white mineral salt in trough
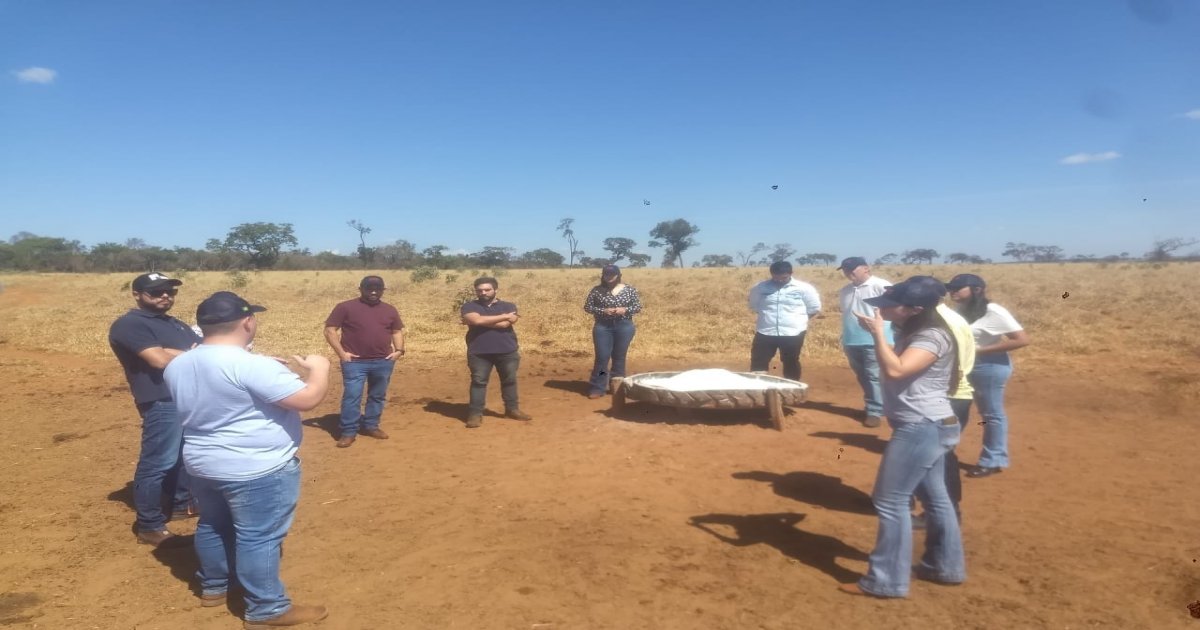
(712, 389)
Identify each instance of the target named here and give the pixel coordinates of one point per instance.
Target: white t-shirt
(783, 310)
(994, 324)
(232, 431)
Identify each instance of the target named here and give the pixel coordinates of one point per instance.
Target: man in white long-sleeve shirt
(783, 306)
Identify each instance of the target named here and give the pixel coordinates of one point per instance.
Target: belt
(948, 421)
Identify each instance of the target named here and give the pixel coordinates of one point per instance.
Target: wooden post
(775, 407)
(618, 397)
(614, 384)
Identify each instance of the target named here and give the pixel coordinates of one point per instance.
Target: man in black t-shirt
(491, 342)
(145, 340)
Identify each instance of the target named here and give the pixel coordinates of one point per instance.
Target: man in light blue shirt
(857, 343)
(241, 432)
(783, 306)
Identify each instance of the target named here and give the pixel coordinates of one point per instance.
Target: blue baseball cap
(924, 291)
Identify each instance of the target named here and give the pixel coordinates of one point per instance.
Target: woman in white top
(997, 333)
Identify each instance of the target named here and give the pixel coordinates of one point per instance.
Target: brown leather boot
(294, 616)
(378, 434)
(346, 441)
(474, 420)
(517, 414)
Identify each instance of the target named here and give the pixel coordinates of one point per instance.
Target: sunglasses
(157, 293)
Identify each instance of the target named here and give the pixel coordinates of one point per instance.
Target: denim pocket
(948, 435)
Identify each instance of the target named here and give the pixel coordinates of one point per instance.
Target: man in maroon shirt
(371, 339)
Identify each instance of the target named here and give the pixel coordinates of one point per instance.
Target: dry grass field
(587, 518)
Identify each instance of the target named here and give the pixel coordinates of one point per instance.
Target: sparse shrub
(464, 295)
(423, 273)
(451, 278)
(529, 275)
(237, 279)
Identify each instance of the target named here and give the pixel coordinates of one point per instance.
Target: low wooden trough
(774, 399)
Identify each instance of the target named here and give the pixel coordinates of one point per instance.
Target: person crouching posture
(241, 431)
(918, 377)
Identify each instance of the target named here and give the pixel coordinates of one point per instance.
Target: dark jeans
(611, 339)
(160, 476)
(962, 409)
(375, 374)
(506, 365)
(763, 350)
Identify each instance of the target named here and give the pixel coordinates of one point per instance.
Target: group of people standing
(221, 425)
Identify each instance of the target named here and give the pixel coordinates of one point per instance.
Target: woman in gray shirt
(918, 377)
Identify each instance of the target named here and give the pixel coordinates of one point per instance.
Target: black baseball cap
(610, 270)
(965, 280)
(224, 306)
(853, 262)
(371, 282)
(925, 291)
(153, 280)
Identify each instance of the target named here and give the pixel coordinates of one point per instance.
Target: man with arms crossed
(783, 306)
(372, 338)
(857, 344)
(241, 432)
(145, 340)
(491, 343)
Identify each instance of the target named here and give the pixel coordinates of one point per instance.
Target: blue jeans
(243, 524)
(866, 367)
(375, 374)
(989, 380)
(159, 475)
(611, 339)
(506, 365)
(913, 464)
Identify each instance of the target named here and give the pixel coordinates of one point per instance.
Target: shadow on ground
(814, 488)
(779, 531)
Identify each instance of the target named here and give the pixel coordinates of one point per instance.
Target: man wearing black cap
(145, 340)
(371, 339)
(857, 343)
(241, 432)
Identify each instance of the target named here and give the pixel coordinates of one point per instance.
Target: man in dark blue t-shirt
(491, 342)
(145, 340)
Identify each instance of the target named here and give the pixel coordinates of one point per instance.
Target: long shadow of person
(837, 410)
(779, 530)
(123, 495)
(815, 488)
(329, 423)
(872, 443)
(575, 387)
(455, 411)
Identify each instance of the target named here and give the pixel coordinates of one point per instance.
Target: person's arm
(505, 320)
(755, 300)
(397, 345)
(158, 357)
(316, 384)
(1010, 341)
(635, 303)
(590, 305)
(911, 361)
(812, 303)
(335, 342)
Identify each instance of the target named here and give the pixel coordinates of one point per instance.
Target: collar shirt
(851, 299)
(783, 310)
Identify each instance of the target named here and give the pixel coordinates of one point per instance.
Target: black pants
(763, 350)
(962, 409)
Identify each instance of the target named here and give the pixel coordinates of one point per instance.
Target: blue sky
(885, 125)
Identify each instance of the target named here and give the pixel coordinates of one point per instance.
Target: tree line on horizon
(260, 246)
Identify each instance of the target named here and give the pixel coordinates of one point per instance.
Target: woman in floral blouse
(613, 304)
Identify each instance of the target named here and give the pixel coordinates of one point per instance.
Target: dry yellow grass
(1133, 315)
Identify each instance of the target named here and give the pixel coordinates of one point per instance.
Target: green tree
(676, 237)
(261, 243)
(1165, 249)
(541, 258)
(917, 256)
(492, 256)
(782, 251)
(365, 254)
(399, 255)
(716, 260)
(620, 247)
(886, 259)
(568, 232)
(747, 258)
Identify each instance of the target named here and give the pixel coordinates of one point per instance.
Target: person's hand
(275, 358)
(873, 324)
(396, 355)
(347, 357)
(311, 362)
(513, 317)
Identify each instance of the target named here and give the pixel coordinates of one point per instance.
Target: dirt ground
(648, 519)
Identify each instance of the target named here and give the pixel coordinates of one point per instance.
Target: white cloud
(1084, 158)
(1194, 114)
(36, 75)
